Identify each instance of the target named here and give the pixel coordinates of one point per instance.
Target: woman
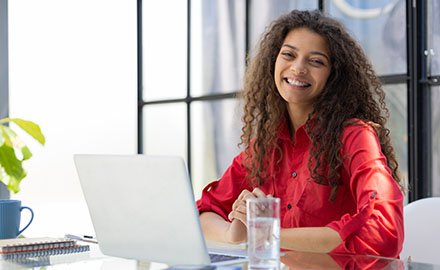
(314, 135)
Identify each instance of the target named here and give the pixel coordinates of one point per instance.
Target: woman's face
(302, 68)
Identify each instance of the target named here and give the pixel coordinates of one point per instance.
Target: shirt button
(294, 174)
(289, 206)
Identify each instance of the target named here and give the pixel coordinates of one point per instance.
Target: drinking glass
(263, 233)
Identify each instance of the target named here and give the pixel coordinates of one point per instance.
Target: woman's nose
(298, 69)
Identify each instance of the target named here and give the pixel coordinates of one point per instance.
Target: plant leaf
(17, 142)
(2, 140)
(5, 136)
(14, 184)
(12, 166)
(27, 154)
(31, 128)
(2, 175)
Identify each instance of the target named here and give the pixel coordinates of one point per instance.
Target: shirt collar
(301, 133)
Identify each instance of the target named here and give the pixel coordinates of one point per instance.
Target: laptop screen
(142, 207)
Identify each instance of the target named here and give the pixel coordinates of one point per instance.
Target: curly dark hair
(352, 91)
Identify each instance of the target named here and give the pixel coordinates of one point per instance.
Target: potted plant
(13, 151)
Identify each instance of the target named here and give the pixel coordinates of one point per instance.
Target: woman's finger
(235, 204)
(245, 194)
(237, 215)
(241, 209)
(258, 193)
(240, 206)
(239, 201)
(231, 216)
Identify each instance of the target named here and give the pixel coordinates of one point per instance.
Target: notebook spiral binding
(44, 252)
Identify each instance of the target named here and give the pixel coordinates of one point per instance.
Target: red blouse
(367, 211)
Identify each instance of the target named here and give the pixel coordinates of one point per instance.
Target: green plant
(13, 151)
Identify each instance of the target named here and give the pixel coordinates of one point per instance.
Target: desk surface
(291, 260)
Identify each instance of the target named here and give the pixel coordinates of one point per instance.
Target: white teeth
(296, 83)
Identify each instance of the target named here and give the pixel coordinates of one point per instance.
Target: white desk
(292, 260)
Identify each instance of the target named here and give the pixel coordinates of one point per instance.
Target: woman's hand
(217, 229)
(239, 207)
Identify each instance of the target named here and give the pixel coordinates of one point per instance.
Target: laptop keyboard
(221, 258)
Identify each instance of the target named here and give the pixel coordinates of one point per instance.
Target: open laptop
(142, 207)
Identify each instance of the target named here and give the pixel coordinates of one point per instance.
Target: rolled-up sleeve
(218, 196)
(377, 226)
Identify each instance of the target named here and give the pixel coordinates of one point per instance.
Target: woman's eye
(317, 61)
(288, 54)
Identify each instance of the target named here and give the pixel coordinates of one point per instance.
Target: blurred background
(161, 77)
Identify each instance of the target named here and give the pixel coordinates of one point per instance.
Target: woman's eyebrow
(314, 52)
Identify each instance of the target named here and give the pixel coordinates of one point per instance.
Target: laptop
(142, 207)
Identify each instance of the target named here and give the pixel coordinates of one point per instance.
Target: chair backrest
(422, 231)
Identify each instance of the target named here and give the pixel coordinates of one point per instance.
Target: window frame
(4, 60)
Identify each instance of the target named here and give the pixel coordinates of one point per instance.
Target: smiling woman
(301, 71)
(314, 136)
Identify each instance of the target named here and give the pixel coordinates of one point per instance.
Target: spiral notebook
(21, 248)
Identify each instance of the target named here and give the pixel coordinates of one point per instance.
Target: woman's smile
(297, 82)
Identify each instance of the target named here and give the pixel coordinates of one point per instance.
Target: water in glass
(264, 243)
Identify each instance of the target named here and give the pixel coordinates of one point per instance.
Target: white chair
(422, 231)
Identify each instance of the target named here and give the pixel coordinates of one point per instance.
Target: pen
(85, 238)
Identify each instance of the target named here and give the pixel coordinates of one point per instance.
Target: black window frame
(4, 75)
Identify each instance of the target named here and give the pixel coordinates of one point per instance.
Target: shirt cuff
(205, 204)
(347, 225)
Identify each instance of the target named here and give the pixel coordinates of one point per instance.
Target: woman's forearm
(217, 229)
(310, 239)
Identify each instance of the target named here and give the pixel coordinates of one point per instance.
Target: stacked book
(21, 248)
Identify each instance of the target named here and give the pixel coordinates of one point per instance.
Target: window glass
(397, 103)
(215, 133)
(435, 116)
(380, 27)
(165, 129)
(434, 37)
(72, 70)
(262, 12)
(164, 40)
(217, 46)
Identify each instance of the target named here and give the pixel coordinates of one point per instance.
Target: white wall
(73, 71)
